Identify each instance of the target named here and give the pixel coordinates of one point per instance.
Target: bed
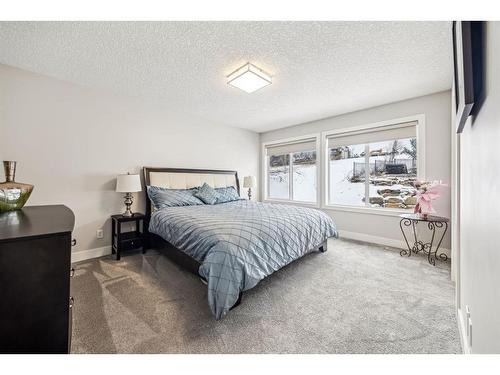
(232, 245)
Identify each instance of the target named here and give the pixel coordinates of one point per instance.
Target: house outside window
(373, 167)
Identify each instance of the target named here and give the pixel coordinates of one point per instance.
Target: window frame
(420, 134)
(265, 175)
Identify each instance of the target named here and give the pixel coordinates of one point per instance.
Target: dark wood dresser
(35, 262)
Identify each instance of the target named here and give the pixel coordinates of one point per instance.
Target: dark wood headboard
(196, 178)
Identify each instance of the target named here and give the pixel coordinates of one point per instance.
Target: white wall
(437, 109)
(71, 142)
(479, 273)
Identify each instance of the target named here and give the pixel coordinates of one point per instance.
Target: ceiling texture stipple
(319, 69)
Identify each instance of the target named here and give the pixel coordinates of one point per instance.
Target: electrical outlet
(100, 233)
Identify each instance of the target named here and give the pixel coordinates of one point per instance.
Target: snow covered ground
(342, 190)
(304, 183)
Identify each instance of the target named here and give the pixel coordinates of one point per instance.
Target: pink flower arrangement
(427, 191)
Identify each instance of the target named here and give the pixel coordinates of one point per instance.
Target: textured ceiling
(320, 69)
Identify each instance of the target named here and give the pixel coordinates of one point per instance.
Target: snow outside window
(373, 168)
(292, 171)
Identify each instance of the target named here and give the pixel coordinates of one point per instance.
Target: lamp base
(128, 203)
(249, 194)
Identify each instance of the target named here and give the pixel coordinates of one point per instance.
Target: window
(346, 166)
(291, 170)
(279, 176)
(373, 167)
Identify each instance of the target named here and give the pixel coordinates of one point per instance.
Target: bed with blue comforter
(241, 242)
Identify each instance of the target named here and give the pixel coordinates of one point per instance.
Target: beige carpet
(356, 298)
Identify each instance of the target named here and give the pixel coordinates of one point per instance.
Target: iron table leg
(418, 245)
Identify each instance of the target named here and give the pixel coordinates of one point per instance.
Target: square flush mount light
(249, 78)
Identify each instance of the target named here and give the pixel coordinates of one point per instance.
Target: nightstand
(123, 241)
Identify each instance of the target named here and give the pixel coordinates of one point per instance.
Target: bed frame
(178, 178)
(183, 179)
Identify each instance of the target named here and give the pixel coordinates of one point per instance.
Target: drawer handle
(71, 302)
(73, 242)
(71, 272)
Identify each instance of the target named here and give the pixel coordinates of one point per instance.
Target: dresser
(35, 272)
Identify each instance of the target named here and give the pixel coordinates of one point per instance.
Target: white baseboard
(78, 256)
(462, 331)
(400, 244)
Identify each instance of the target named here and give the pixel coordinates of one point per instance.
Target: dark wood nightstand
(127, 240)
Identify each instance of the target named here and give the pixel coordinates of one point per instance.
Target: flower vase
(418, 210)
(13, 195)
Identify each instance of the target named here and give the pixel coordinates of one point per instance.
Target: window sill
(332, 207)
(295, 203)
(366, 210)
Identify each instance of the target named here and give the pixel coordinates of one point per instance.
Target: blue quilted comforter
(239, 243)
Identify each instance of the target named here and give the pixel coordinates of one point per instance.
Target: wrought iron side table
(434, 223)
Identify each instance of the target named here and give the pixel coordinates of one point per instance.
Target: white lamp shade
(128, 183)
(249, 182)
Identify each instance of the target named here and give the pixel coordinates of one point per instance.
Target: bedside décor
(13, 195)
(434, 224)
(128, 184)
(249, 182)
(127, 240)
(426, 193)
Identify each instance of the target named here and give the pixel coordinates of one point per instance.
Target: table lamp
(249, 182)
(128, 184)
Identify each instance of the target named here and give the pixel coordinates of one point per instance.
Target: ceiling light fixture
(249, 78)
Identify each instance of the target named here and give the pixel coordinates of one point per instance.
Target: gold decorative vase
(13, 195)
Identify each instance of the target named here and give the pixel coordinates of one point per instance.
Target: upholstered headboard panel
(183, 180)
(175, 178)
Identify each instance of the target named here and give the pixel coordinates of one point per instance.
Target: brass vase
(13, 195)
